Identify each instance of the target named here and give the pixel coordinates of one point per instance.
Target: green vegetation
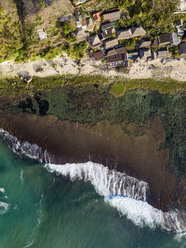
(129, 44)
(124, 4)
(87, 99)
(42, 4)
(20, 41)
(118, 86)
(67, 27)
(77, 51)
(98, 5)
(154, 16)
(118, 89)
(10, 37)
(168, 86)
(175, 51)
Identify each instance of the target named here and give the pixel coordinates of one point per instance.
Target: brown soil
(129, 148)
(53, 9)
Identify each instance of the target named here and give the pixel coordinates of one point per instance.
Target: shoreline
(118, 189)
(72, 142)
(174, 69)
(131, 133)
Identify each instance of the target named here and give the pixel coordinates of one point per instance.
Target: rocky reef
(140, 133)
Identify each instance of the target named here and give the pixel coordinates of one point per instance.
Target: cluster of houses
(105, 42)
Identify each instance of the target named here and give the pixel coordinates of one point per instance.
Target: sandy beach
(175, 69)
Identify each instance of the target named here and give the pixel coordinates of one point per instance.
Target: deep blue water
(46, 211)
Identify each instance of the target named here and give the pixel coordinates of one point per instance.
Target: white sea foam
(21, 177)
(32, 151)
(106, 182)
(125, 193)
(3, 207)
(2, 190)
(121, 191)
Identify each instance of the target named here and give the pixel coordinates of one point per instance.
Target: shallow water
(40, 210)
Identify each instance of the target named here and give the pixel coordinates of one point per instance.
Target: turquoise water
(47, 211)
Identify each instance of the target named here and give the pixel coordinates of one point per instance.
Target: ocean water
(39, 209)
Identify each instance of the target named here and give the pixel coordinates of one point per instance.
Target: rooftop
(94, 40)
(108, 32)
(115, 51)
(164, 39)
(163, 53)
(145, 43)
(111, 15)
(137, 31)
(145, 53)
(98, 56)
(121, 50)
(115, 58)
(182, 50)
(110, 43)
(124, 34)
(106, 25)
(80, 35)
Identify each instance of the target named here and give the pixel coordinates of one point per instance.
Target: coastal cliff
(140, 133)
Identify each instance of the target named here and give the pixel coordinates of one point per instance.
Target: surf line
(126, 194)
(110, 197)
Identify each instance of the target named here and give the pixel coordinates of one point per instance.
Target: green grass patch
(164, 86)
(118, 89)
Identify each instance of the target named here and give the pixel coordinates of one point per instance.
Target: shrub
(77, 51)
(10, 37)
(129, 44)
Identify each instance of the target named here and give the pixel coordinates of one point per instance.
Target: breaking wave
(127, 194)
(31, 151)
(3, 207)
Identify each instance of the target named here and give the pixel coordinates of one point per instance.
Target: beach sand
(65, 65)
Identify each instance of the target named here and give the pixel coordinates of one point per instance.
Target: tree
(10, 37)
(124, 4)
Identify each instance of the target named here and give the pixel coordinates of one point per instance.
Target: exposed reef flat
(141, 132)
(127, 148)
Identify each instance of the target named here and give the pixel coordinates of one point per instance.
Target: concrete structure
(175, 40)
(163, 53)
(78, 23)
(145, 54)
(42, 34)
(182, 50)
(80, 35)
(66, 18)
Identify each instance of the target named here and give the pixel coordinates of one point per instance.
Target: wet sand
(127, 148)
